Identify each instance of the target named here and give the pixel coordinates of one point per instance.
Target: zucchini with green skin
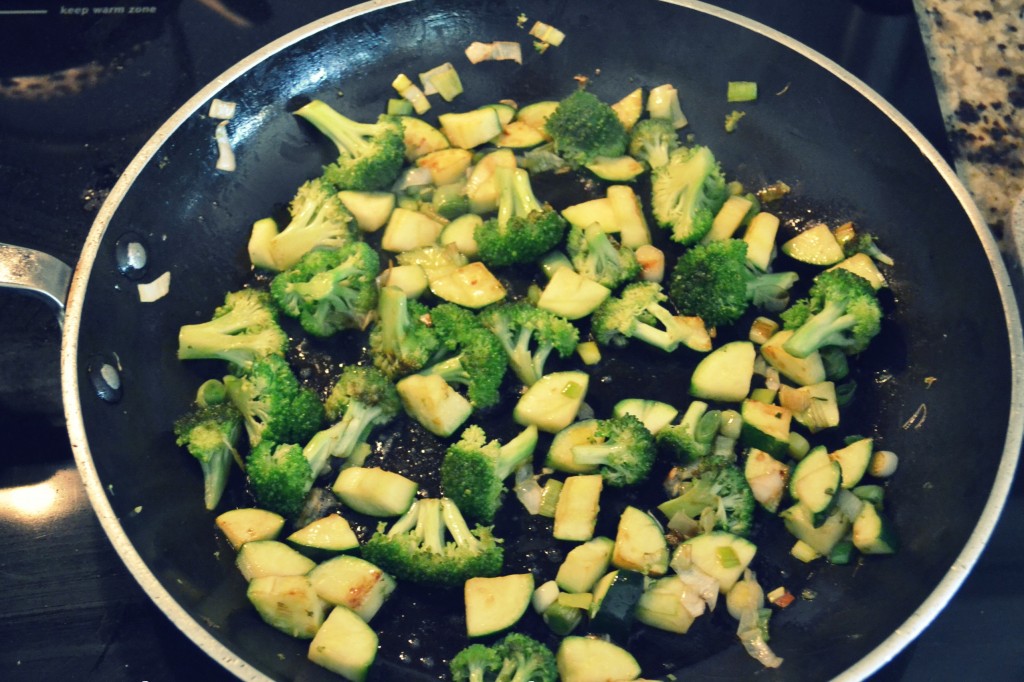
(815, 480)
(249, 524)
(615, 612)
(585, 564)
(765, 427)
(872, 532)
(640, 544)
(661, 606)
(725, 373)
(352, 582)
(344, 644)
(324, 538)
(578, 504)
(288, 603)
(496, 604)
(585, 659)
(721, 555)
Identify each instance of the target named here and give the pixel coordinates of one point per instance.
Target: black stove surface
(82, 87)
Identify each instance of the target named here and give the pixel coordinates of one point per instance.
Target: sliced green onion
(727, 557)
(741, 91)
(549, 497)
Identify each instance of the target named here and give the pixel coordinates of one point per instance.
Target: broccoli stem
(456, 524)
(341, 439)
(323, 284)
(525, 200)
(821, 329)
(345, 133)
(515, 453)
(216, 469)
(660, 338)
(771, 290)
(393, 310)
(528, 366)
(451, 370)
(596, 454)
(429, 526)
(407, 522)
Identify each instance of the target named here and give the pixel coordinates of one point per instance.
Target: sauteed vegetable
(434, 258)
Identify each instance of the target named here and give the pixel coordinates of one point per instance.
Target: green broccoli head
(416, 547)
(318, 221)
(524, 229)
(622, 448)
(470, 355)
(475, 663)
(652, 140)
(329, 291)
(370, 155)
(595, 254)
(210, 434)
(401, 341)
(243, 330)
(841, 310)
(720, 485)
(279, 477)
(584, 128)
(715, 282)
(687, 192)
(525, 660)
(636, 314)
(273, 405)
(474, 470)
(692, 438)
(528, 335)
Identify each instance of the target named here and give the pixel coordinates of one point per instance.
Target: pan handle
(35, 272)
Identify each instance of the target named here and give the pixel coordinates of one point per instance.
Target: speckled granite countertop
(976, 48)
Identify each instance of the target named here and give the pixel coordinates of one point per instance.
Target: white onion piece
(479, 52)
(527, 489)
(504, 49)
(155, 290)
(225, 154)
(221, 109)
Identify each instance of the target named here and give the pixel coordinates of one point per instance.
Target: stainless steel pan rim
(903, 635)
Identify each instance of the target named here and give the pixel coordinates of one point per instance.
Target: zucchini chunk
(640, 544)
(586, 659)
(344, 644)
(496, 604)
(352, 582)
(288, 603)
(246, 525)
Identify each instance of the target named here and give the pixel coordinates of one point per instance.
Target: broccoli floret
(583, 128)
(329, 291)
(210, 434)
(635, 314)
(416, 548)
(525, 660)
(524, 229)
(470, 355)
(279, 477)
(687, 192)
(841, 310)
(866, 244)
(595, 254)
(474, 470)
(622, 448)
(274, 406)
(721, 486)
(242, 330)
(318, 221)
(401, 342)
(475, 663)
(652, 140)
(692, 438)
(361, 399)
(714, 282)
(528, 335)
(370, 155)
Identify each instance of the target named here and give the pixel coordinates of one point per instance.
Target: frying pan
(847, 154)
